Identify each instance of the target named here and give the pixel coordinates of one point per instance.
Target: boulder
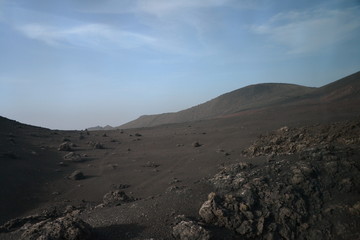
(65, 146)
(115, 198)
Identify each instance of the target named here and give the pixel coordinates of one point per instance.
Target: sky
(74, 64)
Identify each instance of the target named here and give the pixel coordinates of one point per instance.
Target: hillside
(258, 96)
(250, 97)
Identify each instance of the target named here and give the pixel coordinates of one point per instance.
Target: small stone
(77, 175)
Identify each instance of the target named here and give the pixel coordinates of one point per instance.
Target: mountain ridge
(252, 96)
(249, 98)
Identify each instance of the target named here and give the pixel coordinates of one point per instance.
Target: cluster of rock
(313, 194)
(293, 140)
(50, 225)
(67, 227)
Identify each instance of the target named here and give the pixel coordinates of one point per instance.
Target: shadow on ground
(122, 231)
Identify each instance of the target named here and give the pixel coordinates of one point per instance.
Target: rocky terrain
(287, 171)
(309, 189)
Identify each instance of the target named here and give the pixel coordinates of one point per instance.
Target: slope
(250, 97)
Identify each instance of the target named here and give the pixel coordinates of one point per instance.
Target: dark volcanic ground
(160, 170)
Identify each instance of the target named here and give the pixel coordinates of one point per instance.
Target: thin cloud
(164, 7)
(307, 32)
(87, 35)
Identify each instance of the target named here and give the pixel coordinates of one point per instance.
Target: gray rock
(64, 228)
(189, 230)
(73, 157)
(115, 198)
(65, 146)
(77, 175)
(196, 144)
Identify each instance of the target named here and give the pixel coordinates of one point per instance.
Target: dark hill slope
(343, 93)
(345, 89)
(250, 97)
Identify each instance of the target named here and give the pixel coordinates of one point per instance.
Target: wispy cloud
(86, 35)
(165, 7)
(156, 7)
(310, 31)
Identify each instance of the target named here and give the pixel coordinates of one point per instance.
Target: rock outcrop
(312, 194)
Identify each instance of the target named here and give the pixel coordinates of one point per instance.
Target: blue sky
(74, 64)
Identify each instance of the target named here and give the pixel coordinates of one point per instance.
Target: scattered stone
(96, 145)
(62, 164)
(120, 186)
(151, 165)
(138, 135)
(196, 144)
(77, 175)
(73, 157)
(177, 189)
(190, 230)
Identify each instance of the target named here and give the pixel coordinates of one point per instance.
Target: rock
(77, 175)
(285, 140)
(96, 145)
(65, 146)
(65, 228)
(190, 230)
(73, 157)
(206, 210)
(151, 165)
(115, 198)
(286, 197)
(196, 144)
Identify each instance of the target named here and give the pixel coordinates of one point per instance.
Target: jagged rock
(285, 140)
(190, 230)
(65, 228)
(284, 198)
(115, 198)
(65, 146)
(77, 175)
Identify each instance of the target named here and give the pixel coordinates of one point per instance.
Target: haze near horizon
(76, 64)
